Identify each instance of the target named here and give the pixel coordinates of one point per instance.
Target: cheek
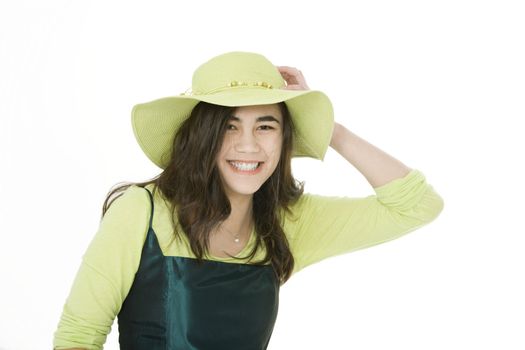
(227, 143)
(274, 149)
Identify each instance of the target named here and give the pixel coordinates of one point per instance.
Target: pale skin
(248, 139)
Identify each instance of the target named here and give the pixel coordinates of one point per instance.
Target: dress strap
(152, 207)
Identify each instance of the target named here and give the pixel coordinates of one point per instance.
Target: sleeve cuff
(405, 192)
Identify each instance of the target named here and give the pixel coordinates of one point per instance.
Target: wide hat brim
(155, 123)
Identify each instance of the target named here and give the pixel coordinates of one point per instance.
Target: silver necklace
(236, 238)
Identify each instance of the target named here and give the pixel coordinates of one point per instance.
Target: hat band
(232, 84)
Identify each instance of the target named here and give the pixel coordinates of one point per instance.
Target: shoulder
(132, 201)
(122, 230)
(133, 194)
(304, 207)
(309, 201)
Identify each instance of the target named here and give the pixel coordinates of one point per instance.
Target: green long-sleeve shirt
(321, 227)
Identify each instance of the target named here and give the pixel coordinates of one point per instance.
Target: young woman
(194, 258)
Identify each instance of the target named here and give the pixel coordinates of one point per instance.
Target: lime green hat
(235, 79)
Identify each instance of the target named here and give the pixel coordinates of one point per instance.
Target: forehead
(246, 112)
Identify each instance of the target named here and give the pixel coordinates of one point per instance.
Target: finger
(289, 70)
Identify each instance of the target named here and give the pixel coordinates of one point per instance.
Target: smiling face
(251, 148)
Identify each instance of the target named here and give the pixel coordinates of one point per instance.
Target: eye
(266, 127)
(230, 127)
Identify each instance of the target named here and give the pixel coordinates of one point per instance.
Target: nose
(246, 143)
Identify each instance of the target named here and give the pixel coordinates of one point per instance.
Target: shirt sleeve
(328, 226)
(106, 273)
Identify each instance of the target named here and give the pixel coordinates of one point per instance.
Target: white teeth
(245, 166)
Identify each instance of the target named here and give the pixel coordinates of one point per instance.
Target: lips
(245, 167)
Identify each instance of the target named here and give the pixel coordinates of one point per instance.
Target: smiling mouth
(245, 166)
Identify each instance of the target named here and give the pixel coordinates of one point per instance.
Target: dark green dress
(176, 303)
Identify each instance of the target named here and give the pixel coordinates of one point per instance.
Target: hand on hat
(294, 78)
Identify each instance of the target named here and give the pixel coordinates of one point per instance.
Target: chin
(242, 191)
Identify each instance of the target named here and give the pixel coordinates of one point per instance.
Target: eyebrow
(264, 118)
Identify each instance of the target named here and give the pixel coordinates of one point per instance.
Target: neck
(240, 218)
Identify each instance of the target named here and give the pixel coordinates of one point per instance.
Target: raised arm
(377, 166)
(328, 226)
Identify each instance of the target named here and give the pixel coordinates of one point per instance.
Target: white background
(437, 84)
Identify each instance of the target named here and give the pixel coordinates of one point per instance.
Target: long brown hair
(195, 195)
